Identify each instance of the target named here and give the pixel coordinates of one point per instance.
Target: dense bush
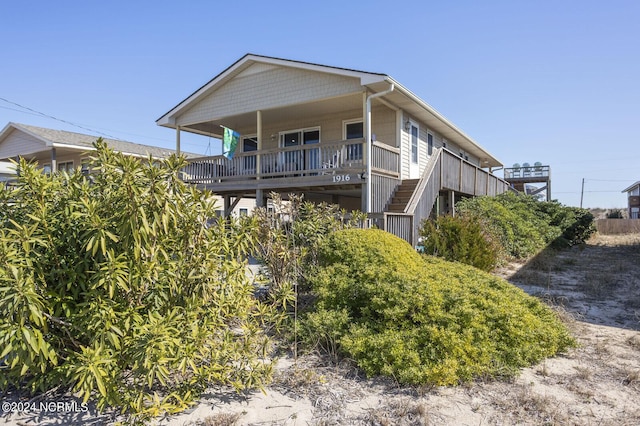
(524, 225)
(115, 287)
(423, 320)
(460, 239)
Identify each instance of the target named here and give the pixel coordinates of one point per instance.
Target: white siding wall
(278, 87)
(438, 142)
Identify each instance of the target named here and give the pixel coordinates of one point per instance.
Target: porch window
(66, 166)
(300, 159)
(430, 143)
(354, 130)
(249, 144)
(46, 168)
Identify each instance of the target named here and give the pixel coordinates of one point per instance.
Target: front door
(414, 165)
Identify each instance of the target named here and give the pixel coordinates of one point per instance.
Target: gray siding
(20, 143)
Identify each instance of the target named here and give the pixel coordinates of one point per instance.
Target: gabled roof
(631, 187)
(249, 59)
(80, 141)
(374, 83)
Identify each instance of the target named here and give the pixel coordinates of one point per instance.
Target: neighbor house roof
(80, 141)
(631, 187)
(374, 82)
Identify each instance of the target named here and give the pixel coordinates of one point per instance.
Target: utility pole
(582, 193)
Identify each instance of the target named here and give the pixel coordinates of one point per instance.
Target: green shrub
(460, 239)
(115, 287)
(524, 225)
(424, 320)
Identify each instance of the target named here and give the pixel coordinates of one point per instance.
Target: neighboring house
(7, 171)
(304, 128)
(62, 150)
(633, 201)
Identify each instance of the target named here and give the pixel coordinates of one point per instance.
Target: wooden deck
(336, 164)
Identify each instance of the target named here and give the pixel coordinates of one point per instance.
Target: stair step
(402, 195)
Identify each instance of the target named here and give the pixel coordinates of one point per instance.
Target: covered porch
(328, 171)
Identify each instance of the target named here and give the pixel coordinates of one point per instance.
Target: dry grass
(400, 412)
(524, 406)
(222, 419)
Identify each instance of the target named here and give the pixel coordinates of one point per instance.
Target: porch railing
(527, 171)
(300, 160)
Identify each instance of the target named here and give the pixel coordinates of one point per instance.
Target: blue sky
(550, 81)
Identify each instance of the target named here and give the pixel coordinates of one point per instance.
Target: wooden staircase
(402, 195)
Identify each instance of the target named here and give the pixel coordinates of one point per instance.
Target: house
(61, 150)
(354, 138)
(633, 200)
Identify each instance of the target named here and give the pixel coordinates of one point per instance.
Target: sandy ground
(596, 288)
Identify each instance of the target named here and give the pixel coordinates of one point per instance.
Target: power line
(55, 118)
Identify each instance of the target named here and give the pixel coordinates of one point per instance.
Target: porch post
(452, 202)
(368, 140)
(365, 118)
(260, 201)
(54, 161)
(227, 205)
(258, 142)
(178, 140)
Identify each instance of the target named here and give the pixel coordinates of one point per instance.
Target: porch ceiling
(289, 113)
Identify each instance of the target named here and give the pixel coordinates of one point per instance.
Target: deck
(336, 164)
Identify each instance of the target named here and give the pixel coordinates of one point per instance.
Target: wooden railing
(303, 160)
(445, 170)
(534, 171)
(385, 159)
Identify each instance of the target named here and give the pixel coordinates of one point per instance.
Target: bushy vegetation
(460, 240)
(115, 286)
(422, 319)
(524, 226)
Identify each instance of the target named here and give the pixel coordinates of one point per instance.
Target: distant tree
(615, 214)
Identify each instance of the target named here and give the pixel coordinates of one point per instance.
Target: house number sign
(341, 178)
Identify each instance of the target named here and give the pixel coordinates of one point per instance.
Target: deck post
(260, 201)
(54, 161)
(178, 140)
(259, 142)
(452, 203)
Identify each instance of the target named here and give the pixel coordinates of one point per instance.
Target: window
(244, 212)
(65, 166)
(299, 159)
(354, 130)
(414, 143)
(84, 166)
(430, 143)
(249, 144)
(46, 168)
